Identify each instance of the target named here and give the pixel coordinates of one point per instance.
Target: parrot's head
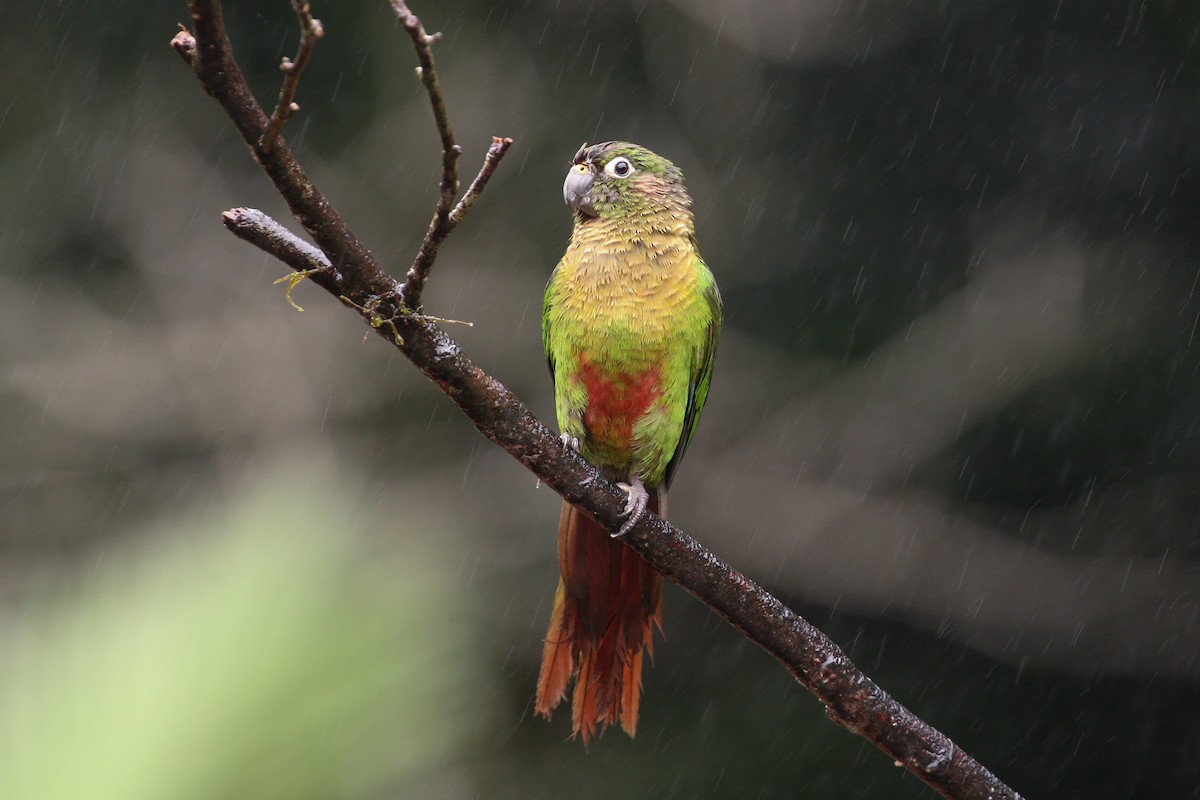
(618, 179)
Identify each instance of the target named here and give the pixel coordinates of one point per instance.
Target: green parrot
(630, 325)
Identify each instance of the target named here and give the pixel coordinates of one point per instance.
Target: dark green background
(954, 416)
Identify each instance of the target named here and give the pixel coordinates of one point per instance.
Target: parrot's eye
(619, 167)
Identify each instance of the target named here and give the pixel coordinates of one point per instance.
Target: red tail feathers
(606, 606)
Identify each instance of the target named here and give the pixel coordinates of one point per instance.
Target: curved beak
(575, 190)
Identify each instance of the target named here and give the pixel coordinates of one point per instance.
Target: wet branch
(345, 268)
(310, 31)
(210, 56)
(496, 152)
(441, 225)
(272, 238)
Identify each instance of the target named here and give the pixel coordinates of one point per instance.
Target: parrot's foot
(569, 441)
(635, 507)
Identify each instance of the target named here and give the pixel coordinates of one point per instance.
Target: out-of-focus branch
(346, 269)
(310, 31)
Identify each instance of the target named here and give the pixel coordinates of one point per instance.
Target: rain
(247, 551)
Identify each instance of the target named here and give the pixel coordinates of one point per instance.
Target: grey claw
(569, 441)
(635, 506)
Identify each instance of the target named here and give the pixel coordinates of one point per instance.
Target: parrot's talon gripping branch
(310, 31)
(569, 441)
(635, 506)
(343, 266)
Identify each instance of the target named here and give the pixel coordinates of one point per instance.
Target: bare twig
(310, 31)
(269, 236)
(440, 226)
(346, 269)
(185, 44)
(423, 43)
(494, 154)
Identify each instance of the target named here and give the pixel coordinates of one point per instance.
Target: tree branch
(346, 269)
(211, 57)
(272, 238)
(310, 31)
(490, 161)
(441, 225)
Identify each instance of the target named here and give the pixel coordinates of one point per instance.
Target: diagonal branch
(851, 698)
(346, 269)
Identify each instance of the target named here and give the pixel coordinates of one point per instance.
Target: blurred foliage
(250, 652)
(953, 421)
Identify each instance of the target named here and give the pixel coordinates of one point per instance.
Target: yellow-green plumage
(630, 326)
(631, 297)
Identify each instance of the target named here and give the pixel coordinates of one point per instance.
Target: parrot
(630, 322)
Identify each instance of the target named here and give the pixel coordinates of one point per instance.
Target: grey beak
(576, 188)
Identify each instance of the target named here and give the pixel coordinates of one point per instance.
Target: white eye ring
(620, 167)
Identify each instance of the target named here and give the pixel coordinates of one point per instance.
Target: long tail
(606, 606)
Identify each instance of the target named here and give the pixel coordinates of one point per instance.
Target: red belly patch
(616, 400)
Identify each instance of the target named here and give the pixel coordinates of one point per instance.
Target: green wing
(702, 368)
(546, 303)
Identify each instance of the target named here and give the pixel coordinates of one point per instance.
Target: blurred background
(250, 552)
